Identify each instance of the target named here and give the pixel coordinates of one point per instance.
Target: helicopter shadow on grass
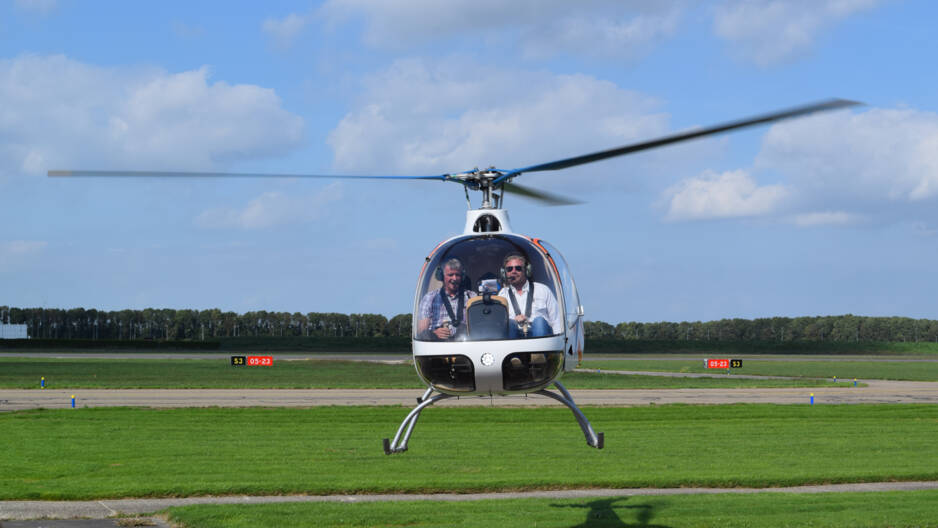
(602, 514)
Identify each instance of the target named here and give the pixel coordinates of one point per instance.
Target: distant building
(13, 331)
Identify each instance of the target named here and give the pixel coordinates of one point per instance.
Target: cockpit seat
(487, 317)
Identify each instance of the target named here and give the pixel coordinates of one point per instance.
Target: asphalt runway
(877, 391)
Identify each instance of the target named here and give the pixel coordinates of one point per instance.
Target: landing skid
(399, 444)
(593, 439)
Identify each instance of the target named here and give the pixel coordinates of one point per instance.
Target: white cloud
(727, 195)
(770, 31)
(380, 245)
(539, 27)
(838, 218)
(879, 158)
(188, 31)
(839, 169)
(61, 113)
(285, 30)
(38, 6)
(425, 118)
(21, 247)
(18, 253)
(596, 34)
(271, 209)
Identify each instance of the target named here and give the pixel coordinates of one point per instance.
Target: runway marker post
(854, 382)
(42, 382)
(73, 401)
(812, 398)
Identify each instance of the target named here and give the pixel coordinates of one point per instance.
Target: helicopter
(488, 345)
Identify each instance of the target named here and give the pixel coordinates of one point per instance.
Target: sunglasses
(514, 268)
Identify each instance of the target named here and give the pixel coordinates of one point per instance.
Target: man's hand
(442, 332)
(520, 319)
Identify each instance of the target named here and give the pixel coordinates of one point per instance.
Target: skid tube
(399, 444)
(593, 439)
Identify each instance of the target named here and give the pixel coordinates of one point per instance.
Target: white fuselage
(482, 365)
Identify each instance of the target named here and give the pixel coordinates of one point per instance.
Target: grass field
(881, 510)
(843, 369)
(647, 346)
(120, 452)
(25, 373)
(403, 345)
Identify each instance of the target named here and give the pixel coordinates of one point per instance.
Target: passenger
(540, 315)
(442, 313)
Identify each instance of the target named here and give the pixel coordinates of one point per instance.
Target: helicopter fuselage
(486, 351)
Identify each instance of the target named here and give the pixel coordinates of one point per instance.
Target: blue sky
(830, 214)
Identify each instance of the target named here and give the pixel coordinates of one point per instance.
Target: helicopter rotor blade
(541, 196)
(174, 174)
(831, 104)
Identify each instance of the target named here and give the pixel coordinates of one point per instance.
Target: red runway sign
(724, 363)
(260, 361)
(252, 361)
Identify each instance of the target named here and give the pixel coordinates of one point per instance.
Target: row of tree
(841, 328)
(165, 323)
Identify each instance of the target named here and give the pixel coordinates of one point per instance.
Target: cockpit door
(573, 311)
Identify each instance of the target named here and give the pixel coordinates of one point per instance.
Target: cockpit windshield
(480, 288)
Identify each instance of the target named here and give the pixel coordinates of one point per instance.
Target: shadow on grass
(603, 514)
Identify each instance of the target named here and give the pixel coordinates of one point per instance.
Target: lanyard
(449, 308)
(514, 302)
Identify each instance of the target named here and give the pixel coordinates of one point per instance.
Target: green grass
(843, 369)
(202, 373)
(646, 346)
(25, 373)
(879, 509)
(225, 345)
(221, 345)
(120, 452)
(589, 380)
(319, 344)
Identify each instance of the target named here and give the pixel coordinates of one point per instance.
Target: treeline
(833, 328)
(175, 325)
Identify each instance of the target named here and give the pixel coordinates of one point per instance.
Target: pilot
(442, 313)
(531, 305)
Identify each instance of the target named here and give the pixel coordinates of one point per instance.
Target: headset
(503, 273)
(438, 273)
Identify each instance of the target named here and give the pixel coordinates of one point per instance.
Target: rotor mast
(490, 200)
(484, 181)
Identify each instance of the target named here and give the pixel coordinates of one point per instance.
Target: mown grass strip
(121, 452)
(601, 380)
(397, 345)
(645, 346)
(25, 373)
(870, 510)
(844, 370)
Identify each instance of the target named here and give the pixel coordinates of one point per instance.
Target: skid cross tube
(399, 445)
(593, 439)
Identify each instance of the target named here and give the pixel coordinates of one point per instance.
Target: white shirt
(543, 305)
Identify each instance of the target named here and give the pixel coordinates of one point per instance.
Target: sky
(830, 214)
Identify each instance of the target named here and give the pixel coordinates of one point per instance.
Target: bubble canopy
(463, 290)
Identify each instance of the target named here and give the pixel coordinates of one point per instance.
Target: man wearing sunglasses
(443, 312)
(532, 305)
